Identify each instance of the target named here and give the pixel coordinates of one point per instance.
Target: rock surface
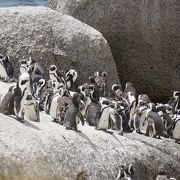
(47, 150)
(143, 36)
(52, 38)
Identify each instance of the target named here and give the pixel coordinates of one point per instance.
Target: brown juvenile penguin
(8, 105)
(73, 111)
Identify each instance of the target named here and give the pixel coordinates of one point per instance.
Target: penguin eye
(83, 89)
(24, 82)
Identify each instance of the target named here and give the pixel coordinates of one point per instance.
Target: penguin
(116, 118)
(23, 66)
(73, 111)
(176, 128)
(63, 103)
(54, 103)
(26, 87)
(101, 81)
(46, 97)
(174, 101)
(71, 76)
(56, 76)
(103, 121)
(9, 68)
(8, 106)
(3, 72)
(39, 87)
(93, 110)
(155, 126)
(31, 109)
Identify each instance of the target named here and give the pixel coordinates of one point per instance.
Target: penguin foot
(139, 131)
(20, 119)
(106, 131)
(77, 130)
(120, 133)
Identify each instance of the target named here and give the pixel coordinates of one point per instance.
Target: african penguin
(31, 109)
(3, 72)
(23, 66)
(103, 121)
(9, 68)
(71, 76)
(73, 111)
(155, 126)
(126, 171)
(174, 101)
(176, 128)
(8, 105)
(56, 76)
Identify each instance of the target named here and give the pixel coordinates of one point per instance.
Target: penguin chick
(155, 123)
(72, 112)
(31, 109)
(8, 106)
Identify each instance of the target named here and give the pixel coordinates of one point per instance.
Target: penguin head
(92, 79)
(82, 90)
(71, 74)
(176, 94)
(53, 68)
(61, 89)
(91, 89)
(6, 59)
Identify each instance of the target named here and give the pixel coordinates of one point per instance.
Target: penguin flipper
(81, 117)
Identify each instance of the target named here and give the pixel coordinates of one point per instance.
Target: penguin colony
(90, 103)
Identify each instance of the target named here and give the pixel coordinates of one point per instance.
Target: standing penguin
(73, 111)
(9, 68)
(176, 128)
(31, 109)
(56, 76)
(155, 126)
(71, 76)
(23, 66)
(3, 72)
(8, 105)
(174, 101)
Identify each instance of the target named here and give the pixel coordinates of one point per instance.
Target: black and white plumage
(56, 76)
(31, 109)
(116, 91)
(23, 66)
(176, 127)
(174, 101)
(71, 76)
(126, 171)
(3, 71)
(9, 68)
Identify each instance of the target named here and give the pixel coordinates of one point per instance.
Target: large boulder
(52, 38)
(143, 36)
(46, 150)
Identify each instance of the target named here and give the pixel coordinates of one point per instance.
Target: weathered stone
(52, 38)
(143, 36)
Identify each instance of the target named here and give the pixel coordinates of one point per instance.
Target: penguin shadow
(117, 139)
(26, 123)
(86, 138)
